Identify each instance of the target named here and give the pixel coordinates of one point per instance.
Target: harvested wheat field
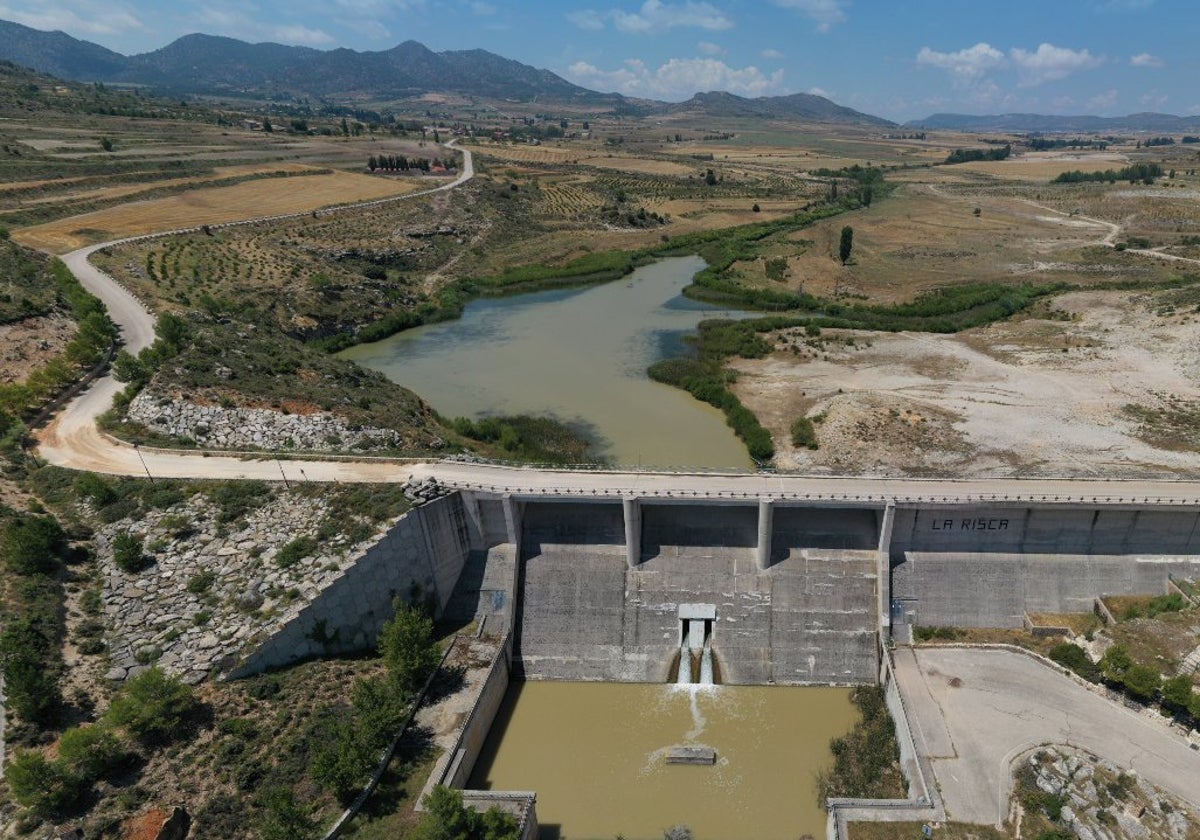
(1044, 166)
(1114, 390)
(207, 206)
(526, 154)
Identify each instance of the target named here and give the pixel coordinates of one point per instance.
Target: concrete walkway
(974, 711)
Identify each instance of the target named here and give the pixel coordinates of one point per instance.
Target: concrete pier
(632, 509)
(766, 519)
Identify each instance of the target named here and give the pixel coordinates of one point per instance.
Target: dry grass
(202, 206)
(1033, 167)
(912, 831)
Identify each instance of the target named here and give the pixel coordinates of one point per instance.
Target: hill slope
(805, 107)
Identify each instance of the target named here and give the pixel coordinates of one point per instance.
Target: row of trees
(1144, 172)
(973, 155)
(401, 163)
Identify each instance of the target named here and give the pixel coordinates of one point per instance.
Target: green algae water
(595, 755)
(579, 355)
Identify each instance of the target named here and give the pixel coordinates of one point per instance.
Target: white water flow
(706, 664)
(685, 665)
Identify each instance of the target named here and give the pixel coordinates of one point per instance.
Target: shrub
(1142, 682)
(47, 788)
(1177, 692)
(295, 551)
(1074, 657)
(408, 648)
(90, 752)
(201, 582)
(33, 545)
(128, 554)
(447, 818)
(153, 706)
(343, 761)
(804, 434)
(282, 818)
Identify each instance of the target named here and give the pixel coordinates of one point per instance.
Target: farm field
(297, 193)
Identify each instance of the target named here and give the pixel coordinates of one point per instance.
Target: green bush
(343, 761)
(28, 654)
(1177, 692)
(90, 752)
(153, 706)
(447, 818)
(293, 552)
(866, 762)
(201, 582)
(408, 648)
(282, 818)
(128, 553)
(1142, 682)
(804, 434)
(47, 788)
(1074, 657)
(33, 545)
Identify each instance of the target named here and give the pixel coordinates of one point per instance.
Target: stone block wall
(427, 548)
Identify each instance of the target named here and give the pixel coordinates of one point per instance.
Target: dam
(609, 585)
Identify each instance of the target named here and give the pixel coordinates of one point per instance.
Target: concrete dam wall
(587, 613)
(987, 566)
(790, 592)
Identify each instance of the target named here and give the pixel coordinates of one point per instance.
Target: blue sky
(895, 58)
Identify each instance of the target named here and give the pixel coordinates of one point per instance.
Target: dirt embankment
(1077, 392)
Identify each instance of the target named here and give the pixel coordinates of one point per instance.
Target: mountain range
(211, 65)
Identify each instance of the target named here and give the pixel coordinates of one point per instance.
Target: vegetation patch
(866, 762)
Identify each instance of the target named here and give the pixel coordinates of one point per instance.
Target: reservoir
(579, 355)
(595, 753)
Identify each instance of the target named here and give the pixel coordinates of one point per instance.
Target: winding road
(74, 440)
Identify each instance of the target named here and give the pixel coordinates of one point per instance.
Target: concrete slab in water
(691, 755)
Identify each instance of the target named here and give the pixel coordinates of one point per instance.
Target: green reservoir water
(579, 355)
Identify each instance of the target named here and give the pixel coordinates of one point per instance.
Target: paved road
(1008, 703)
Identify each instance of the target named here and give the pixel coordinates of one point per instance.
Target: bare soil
(27, 345)
(1033, 396)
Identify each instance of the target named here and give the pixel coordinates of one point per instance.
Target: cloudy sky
(896, 58)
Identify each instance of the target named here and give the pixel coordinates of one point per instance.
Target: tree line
(974, 155)
(1144, 172)
(402, 163)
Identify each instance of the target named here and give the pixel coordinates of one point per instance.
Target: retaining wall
(426, 548)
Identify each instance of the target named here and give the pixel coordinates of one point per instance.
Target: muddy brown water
(595, 755)
(579, 355)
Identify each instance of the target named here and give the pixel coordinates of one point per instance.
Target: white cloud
(677, 79)
(588, 19)
(1105, 101)
(966, 64)
(236, 24)
(1154, 99)
(1145, 60)
(656, 16)
(297, 34)
(771, 55)
(709, 48)
(825, 13)
(1049, 63)
(81, 18)
(482, 9)
(818, 91)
